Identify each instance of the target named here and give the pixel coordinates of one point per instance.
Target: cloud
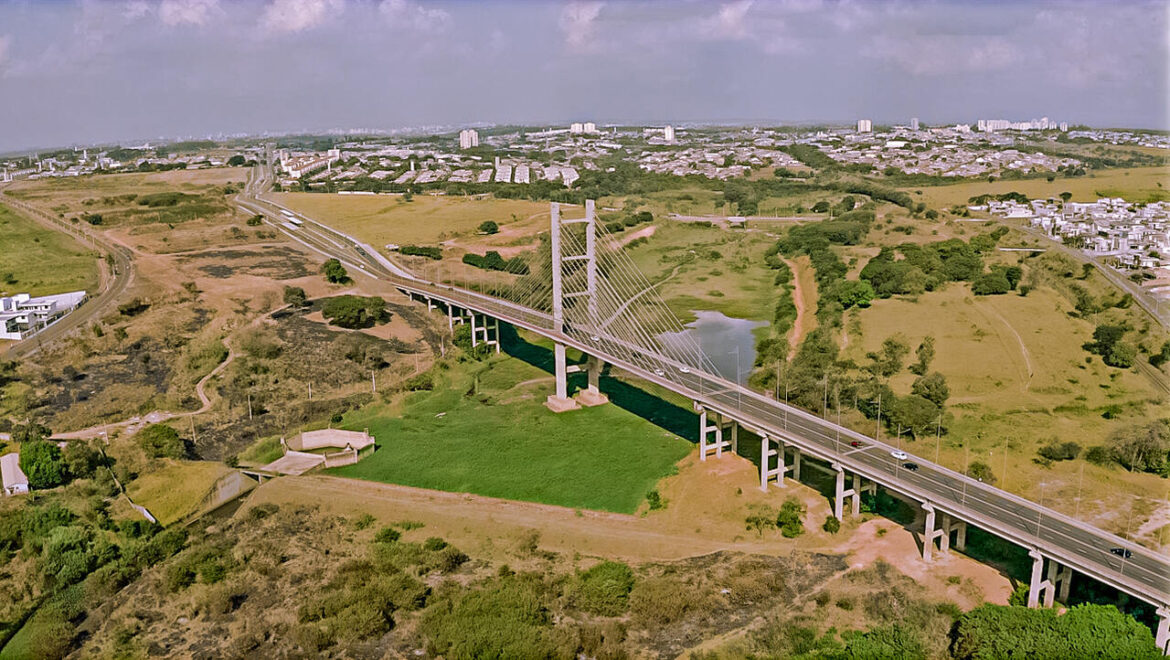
(578, 23)
(729, 22)
(187, 12)
(413, 15)
(941, 54)
(285, 16)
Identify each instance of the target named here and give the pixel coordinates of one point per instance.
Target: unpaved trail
(626, 239)
(1026, 381)
(801, 296)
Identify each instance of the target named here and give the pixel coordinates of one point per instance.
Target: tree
(254, 221)
(855, 293)
(295, 296)
(30, 432)
(81, 459)
(1013, 274)
(925, 355)
(890, 359)
(236, 161)
(993, 283)
(335, 272)
(489, 227)
(1143, 447)
(933, 388)
(913, 412)
(41, 462)
(760, 517)
(161, 441)
(1065, 196)
(1121, 355)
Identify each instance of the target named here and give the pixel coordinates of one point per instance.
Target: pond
(728, 342)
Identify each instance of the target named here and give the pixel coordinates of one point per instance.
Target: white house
(15, 482)
(22, 315)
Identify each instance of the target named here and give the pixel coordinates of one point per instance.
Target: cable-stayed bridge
(582, 291)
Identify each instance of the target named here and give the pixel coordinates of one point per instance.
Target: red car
(855, 443)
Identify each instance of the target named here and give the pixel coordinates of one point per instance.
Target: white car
(659, 372)
(595, 338)
(685, 370)
(900, 455)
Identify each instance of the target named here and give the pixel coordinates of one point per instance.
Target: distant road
(751, 218)
(97, 305)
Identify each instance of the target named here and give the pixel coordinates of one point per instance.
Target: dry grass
(426, 220)
(175, 490)
(1138, 184)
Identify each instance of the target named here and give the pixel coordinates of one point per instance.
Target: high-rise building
(576, 127)
(468, 138)
(668, 133)
(864, 126)
(914, 123)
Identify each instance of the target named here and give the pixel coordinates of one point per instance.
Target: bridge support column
(853, 494)
(560, 401)
(1040, 587)
(1162, 635)
(711, 434)
(591, 395)
(930, 534)
(767, 472)
(960, 529)
(796, 463)
(734, 437)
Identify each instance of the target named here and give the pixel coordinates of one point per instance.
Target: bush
(1060, 451)
(832, 525)
(355, 312)
(981, 471)
(161, 441)
(789, 519)
(991, 284)
(1098, 455)
(1085, 631)
(489, 227)
(654, 500)
(254, 221)
(387, 535)
(295, 296)
(661, 601)
(435, 253)
(604, 590)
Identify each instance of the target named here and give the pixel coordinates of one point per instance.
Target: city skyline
(92, 69)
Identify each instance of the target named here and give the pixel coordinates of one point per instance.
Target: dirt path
(1027, 382)
(802, 296)
(626, 239)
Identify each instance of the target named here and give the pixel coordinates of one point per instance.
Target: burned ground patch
(277, 262)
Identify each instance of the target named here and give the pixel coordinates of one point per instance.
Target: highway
(1071, 542)
(97, 305)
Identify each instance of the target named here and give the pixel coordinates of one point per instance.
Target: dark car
(1121, 552)
(913, 467)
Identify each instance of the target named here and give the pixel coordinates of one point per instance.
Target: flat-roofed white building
(468, 138)
(15, 482)
(22, 315)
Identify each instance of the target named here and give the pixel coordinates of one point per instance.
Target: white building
(590, 127)
(579, 127)
(914, 123)
(22, 316)
(15, 482)
(668, 133)
(864, 126)
(468, 138)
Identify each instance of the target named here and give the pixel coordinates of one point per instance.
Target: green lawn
(41, 261)
(504, 443)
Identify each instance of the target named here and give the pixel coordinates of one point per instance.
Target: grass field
(175, 490)
(1018, 379)
(713, 269)
(40, 261)
(503, 442)
(1140, 184)
(426, 220)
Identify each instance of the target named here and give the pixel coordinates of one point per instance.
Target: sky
(95, 71)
